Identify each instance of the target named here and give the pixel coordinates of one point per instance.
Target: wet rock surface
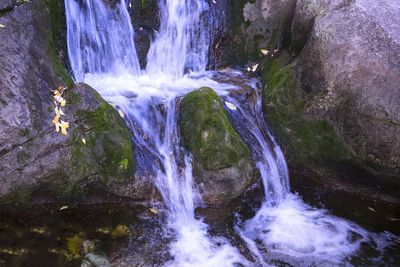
(222, 166)
(33, 156)
(332, 100)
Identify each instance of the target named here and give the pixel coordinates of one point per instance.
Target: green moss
(110, 138)
(306, 139)
(207, 131)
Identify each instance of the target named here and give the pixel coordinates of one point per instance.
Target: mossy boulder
(222, 166)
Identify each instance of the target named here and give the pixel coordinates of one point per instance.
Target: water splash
(100, 38)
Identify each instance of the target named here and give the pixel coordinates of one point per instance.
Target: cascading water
(181, 42)
(102, 53)
(100, 38)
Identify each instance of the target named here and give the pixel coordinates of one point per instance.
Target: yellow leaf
(84, 141)
(64, 126)
(120, 231)
(254, 68)
(264, 52)
(56, 119)
(61, 89)
(56, 93)
(63, 102)
(58, 125)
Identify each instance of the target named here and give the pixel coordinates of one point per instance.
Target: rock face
(350, 68)
(222, 165)
(6, 5)
(33, 157)
(333, 100)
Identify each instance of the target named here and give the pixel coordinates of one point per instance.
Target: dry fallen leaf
(84, 141)
(59, 111)
(2, 26)
(63, 102)
(264, 52)
(58, 125)
(153, 210)
(63, 208)
(64, 126)
(56, 119)
(254, 68)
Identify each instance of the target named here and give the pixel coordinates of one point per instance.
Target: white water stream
(102, 54)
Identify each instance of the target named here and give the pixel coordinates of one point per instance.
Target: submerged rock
(222, 166)
(33, 156)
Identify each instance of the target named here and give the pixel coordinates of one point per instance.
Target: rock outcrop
(350, 67)
(33, 157)
(222, 166)
(332, 97)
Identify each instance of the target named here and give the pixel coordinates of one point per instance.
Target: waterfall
(182, 41)
(102, 53)
(100, 38)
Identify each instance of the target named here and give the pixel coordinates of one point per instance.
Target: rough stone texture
(7, 5)
(333, 101)
(33, 157)
(266, 21)
(350, 68)
(222, 166)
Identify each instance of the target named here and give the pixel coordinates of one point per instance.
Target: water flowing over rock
(90, 34)
(181, 42)
(33, 157)
(222, 165)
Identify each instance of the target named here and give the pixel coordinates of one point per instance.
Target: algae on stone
(222, 166)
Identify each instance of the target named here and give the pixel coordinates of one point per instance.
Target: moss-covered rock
(37, 163)
(320, 163)
(222, 164)
(307, 139)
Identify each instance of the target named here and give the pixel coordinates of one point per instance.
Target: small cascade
(100, 38)
(182, 41)
(102, 54)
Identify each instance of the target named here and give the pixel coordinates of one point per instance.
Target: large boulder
(223, 169)
(35, 160)
(333, 100)
(350, 68)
